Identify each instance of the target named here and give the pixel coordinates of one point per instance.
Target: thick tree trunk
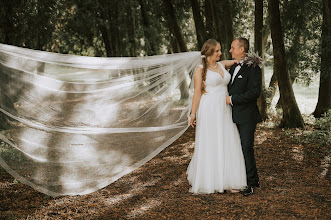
(199, 25)
(262, 104)
(228, 26)
(324, 94)
(173, 25)
(291, 114)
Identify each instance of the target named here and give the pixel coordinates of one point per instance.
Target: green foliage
(324, 123)
(301, 23)
(319, 134)
(8, 153)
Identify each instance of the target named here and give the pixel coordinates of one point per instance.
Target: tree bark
(132, 31)
(228, 26)
(106, 40)
(273, 84)
(272, 88)
(199, 25)
(209, 20)
(216, 23)
(291, 114)
(212, 22)
(6, 101)
(324, 94)
(103, 28)
(178, 42)
(113, 28)
(173, 25)
(258, 35)
(150, 47)
(265, 36)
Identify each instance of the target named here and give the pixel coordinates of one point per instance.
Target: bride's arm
(197, 94)
(228, 63)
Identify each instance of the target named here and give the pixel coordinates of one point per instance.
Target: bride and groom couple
(224, 109)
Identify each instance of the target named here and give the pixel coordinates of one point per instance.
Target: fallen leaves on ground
(295, 184)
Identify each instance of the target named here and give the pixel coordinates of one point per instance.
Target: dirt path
(295, 184)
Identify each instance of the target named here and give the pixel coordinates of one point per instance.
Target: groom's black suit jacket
(245, 90)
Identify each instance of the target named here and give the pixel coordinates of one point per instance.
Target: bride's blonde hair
(207, 50)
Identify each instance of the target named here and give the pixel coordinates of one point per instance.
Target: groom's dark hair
(243, 42)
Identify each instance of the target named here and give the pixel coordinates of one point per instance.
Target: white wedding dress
(218, 162)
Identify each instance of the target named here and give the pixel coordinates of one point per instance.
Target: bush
(324, 123)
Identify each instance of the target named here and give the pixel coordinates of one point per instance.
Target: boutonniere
(253, 59)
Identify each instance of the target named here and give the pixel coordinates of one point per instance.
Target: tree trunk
(103, 28)
(291, 114)
(173, 25)
(262, 104)
(178, 40)
(199, 25)
(216, 23)
(184, 89)
(324, 94)
(112, 19)
(209, 20)
(5, 101)
(212, 22)
(133, 38)
(118, 32)
(228, 26)
(265, 36)
(174, 45)
(106, 40)
(149, 43)
(272, 88)
(271, 91)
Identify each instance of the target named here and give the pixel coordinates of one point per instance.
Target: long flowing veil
(72, 124)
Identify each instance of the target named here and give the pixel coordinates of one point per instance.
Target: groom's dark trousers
(244, 90)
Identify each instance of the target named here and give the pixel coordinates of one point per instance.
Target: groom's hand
(228, 100)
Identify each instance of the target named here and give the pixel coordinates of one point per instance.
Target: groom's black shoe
(257, 184)
(248, 191)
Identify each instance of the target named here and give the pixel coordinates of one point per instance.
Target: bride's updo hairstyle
(207, 50)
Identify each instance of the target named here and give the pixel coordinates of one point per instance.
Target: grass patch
(306, 96)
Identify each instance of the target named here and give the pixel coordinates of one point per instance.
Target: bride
(218, 162)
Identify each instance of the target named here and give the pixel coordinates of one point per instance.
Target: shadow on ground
(295, 183)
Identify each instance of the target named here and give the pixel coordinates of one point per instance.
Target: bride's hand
(192, 120)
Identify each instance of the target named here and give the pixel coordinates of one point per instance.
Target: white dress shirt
(236, 70)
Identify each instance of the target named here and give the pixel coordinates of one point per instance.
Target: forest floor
(295, 184)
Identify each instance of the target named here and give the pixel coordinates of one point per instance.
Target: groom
(244, 90)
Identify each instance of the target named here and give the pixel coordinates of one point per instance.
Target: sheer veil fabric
(77, 124)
